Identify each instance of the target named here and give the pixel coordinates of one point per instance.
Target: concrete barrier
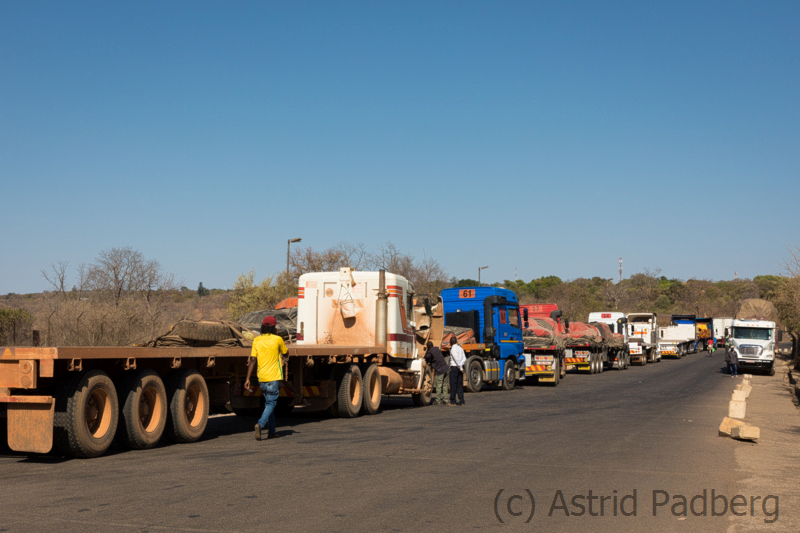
(737, 408)
(727, 425)
(739, 395)
(746, 432)
(744, 388)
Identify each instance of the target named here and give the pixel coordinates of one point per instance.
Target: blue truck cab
(493, 315)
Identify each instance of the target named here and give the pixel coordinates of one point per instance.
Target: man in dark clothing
(434, 357)
(732, 360)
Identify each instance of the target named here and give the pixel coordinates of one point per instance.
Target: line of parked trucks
(359, 338)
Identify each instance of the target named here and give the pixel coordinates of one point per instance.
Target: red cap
(270, 321)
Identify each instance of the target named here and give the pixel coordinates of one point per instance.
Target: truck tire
(143, 400)
(474, 374)
(425, 398)
(592, 363)
(509, 375)
(556, 372)
(187, 397)
(350, 394)
(601, 365)
(86, 414)
(563, 365)
(771, 371)
(202, 331)
(372, 390)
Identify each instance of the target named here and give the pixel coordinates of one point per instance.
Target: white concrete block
(746, 432)
(739, 395)
(727, 425)
(736, 408)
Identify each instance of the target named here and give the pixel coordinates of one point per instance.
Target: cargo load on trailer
(545, 350)
(757, 309)
(586, 350)
(612, 326)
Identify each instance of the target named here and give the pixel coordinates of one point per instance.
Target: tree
(248, 296)
(465, 282)
(202, 291)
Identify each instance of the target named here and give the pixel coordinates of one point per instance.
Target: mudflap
(30, 424)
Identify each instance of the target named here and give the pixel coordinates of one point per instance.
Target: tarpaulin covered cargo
(464, 336)
(581, 333)
(610, 339)
(286, 321)
(542, 333)
(755, 309)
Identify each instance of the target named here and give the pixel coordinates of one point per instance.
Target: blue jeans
(732, 369)
(270, 390)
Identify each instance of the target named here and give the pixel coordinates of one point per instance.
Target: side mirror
(780, 335)
(726, 332)
(566, 325)
(525, 315)
(427, 307)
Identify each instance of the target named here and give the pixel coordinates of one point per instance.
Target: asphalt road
(616, 434)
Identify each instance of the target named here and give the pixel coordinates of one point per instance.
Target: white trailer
(676, 340)
(722, 326)
(642, 338)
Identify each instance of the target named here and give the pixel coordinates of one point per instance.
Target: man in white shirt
(457, 361)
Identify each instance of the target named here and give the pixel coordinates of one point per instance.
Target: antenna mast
(620, 269)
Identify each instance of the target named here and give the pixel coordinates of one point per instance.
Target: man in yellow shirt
(267, 350)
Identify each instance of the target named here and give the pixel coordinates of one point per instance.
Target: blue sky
(553, 137)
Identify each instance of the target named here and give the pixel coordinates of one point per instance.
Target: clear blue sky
(551, 136)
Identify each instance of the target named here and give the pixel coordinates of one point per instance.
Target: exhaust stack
(381, 307)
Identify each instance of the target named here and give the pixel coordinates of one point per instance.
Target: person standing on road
(434, 357)
(267, 350)
(457, 361)
(732, 361)
(710, 347)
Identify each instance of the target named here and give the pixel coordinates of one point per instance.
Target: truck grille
(754, 351)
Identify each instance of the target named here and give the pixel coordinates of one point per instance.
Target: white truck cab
(615, 320)
(642, 337)
(753, 342)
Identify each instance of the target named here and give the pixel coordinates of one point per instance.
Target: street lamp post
(479, 273)
(288, 245)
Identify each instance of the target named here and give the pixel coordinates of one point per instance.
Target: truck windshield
(759, 334)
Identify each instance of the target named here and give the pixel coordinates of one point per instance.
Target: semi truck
(642, 338)
(618, 355)
(722, 327)
(753, 342)
(356, 343)
(705, 332)
(676, 340)
(687, 320)
(544, 349)
(493, 315)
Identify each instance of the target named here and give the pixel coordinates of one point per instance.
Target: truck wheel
(86, 414)
(771, 371)
(187, 396)
(556, 372)
(350, 394)
(425, 398)
(371, 385)
(144, 410)
(509, 375)
(474, 375)
(601, 365)
(202, 331)
(563, 367)
(592, 363)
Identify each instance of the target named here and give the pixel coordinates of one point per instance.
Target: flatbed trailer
(81, 398)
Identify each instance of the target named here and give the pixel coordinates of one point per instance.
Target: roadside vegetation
(123, 298)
